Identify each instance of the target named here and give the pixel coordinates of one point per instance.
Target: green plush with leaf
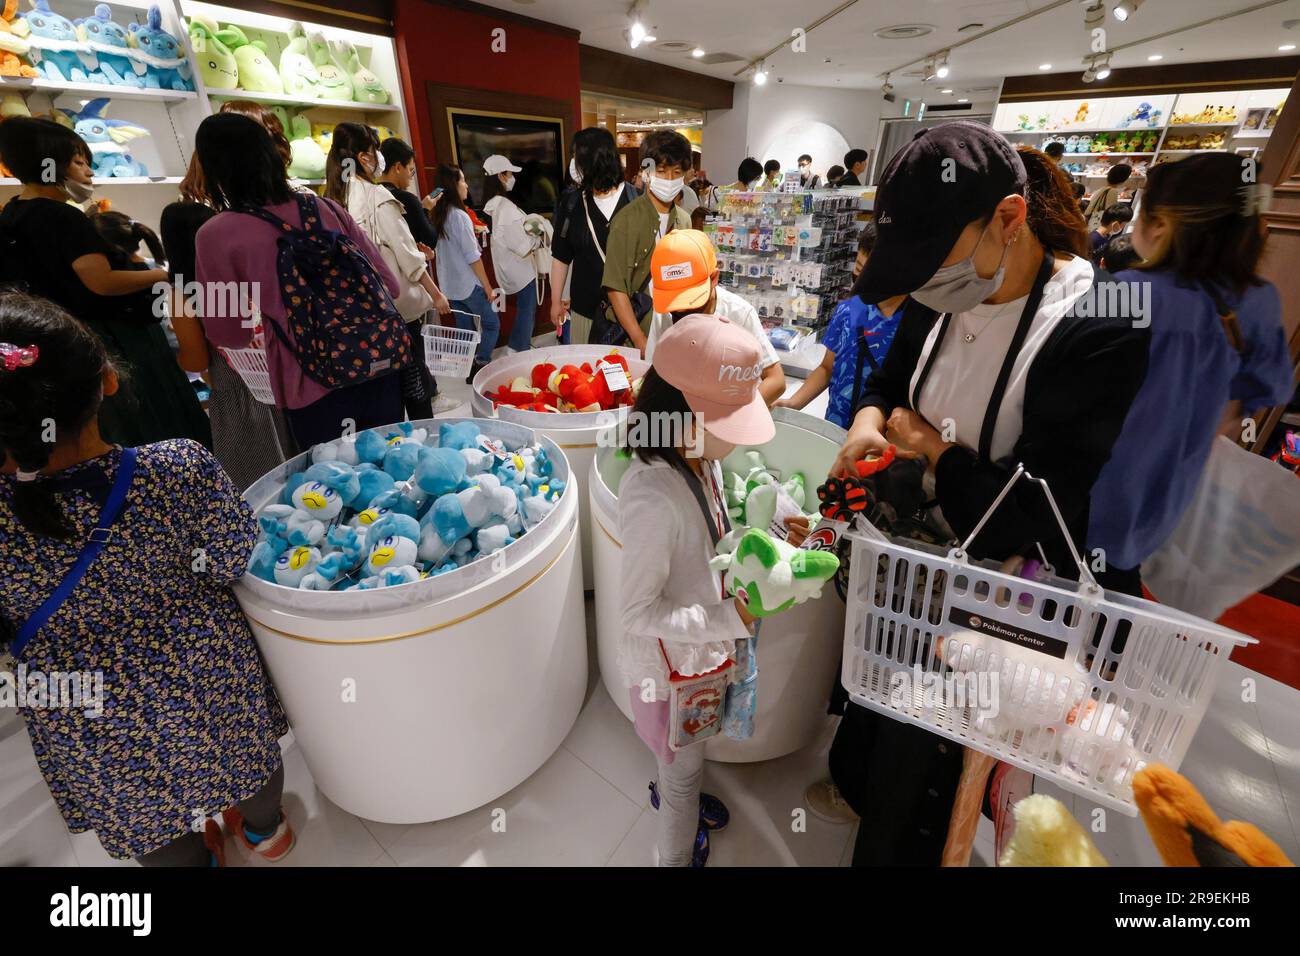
(297, 72)
(335, 81)
(307, 159)
(256, 71)
(365, 84)
(770, 576)
(217, 63)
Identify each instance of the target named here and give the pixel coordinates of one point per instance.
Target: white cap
(496, 163)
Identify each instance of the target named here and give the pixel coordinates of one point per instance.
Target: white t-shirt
(607, 202)
(663, 224)
(961, 381)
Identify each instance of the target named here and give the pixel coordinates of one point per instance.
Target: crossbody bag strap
(864, 356)
(1009, 360)
(1228, 317)
(95, 541)
(944, 321)
(592, 226)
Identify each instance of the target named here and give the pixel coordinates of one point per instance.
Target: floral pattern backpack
(343, 327)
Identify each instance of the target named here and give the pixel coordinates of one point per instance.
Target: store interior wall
(448, 45)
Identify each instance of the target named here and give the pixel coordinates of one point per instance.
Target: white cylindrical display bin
(798, 649)
(575, 432)
(422, 701)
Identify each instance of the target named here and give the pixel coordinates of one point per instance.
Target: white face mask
(666, 190)
(380, 164)
(573, 172)
(78, 192)
(510, 182)
(959, 287)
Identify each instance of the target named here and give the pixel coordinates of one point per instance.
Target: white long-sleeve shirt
(382, 218)
(669, 591)
(511, 245)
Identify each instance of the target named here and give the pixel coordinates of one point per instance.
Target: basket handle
(478, 322)
(1085, 574)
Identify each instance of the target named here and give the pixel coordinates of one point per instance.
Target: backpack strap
(268, 217)
(95, 541)
(1228, 317)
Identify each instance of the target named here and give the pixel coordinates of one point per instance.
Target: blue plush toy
(107, 139)
(458, 435)
(161, 55)
(440, 471)
(484, 502)
(56, 50)
(111, 44)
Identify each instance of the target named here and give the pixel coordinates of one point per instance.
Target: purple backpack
(343, 326)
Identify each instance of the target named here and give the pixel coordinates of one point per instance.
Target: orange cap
(681, 270)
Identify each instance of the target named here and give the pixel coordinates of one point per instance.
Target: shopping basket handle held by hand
(1085, 575)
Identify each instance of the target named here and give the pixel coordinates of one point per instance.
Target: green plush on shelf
(769, 575)
(256, 71)
(366, 85)
(307, 159)
(217, 64)
(335, 83)
(297, 72)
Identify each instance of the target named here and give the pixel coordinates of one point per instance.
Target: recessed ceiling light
(1155, 57)
(697, 52)
(945, 91)
(963, 100)
(1286, 47)
(1044, 66)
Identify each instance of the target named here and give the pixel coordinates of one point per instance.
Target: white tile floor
(587, 805)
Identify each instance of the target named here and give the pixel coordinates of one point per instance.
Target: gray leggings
(679, 805)
(261, 812)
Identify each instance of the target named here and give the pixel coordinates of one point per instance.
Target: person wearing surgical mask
(993, 366)
(61, 257)
(352, 168)
(807, 178)
(665, 157)
(512, 249)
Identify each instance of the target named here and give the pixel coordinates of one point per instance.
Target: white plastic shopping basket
(449, 350)
(250, 364)
(1056, 677)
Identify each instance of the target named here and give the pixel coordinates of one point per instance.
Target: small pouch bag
(695, 703)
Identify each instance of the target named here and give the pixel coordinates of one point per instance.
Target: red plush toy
(570, 388)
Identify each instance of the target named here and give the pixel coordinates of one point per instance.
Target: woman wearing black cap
(991, 367)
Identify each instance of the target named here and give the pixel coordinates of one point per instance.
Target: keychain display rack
(788, 253)
(1054, 676)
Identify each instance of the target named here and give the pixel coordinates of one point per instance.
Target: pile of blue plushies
(385, 507)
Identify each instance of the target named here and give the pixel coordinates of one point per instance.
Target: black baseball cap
(924, 202)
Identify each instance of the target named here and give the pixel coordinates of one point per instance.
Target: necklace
(970, 337)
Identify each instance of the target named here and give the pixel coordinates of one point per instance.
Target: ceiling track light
(1125, 9)
(941, 68)
(637, 31)
(1097, 67)
(760, 74)
(1094, 16)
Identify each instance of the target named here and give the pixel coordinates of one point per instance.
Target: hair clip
(17, 356)
(1255, 199)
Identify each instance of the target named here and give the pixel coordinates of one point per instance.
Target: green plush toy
(770, 576)
(297, 72)
(366, 85)
(217, 64)
(307, 159)
(256, 71)
(335, 82)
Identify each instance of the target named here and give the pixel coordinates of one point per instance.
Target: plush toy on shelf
(334, 82)
(323, 134)
(385, 132)
(297, 72)
(307, 159)
(217, 63)
(14, 43)
(107, 139)
(55, 49)
(769, 575)
(366, 86)
(111, 44)
(163, 55)
(257, 73)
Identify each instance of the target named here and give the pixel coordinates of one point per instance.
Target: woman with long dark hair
(460, 264)
(245, 179)
(992, 366)
(351, 169)
(582, 230)
(62, 257)
(1218, 351)
(184, 724)
(249, 437)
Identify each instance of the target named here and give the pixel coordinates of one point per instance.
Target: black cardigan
(1077, 394)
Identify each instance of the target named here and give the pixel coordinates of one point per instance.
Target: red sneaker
(214, 841)
(273, 848)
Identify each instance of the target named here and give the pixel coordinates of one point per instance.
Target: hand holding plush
(769, 575)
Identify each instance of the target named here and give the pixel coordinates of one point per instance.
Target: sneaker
(700, 855)
(714, 814)
(214, 841)
(442, 404)
(474, 370)
(271, 848)
(827, 803)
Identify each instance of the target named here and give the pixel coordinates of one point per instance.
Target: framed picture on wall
(533, 143)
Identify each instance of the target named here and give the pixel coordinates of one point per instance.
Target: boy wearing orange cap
(684, 275)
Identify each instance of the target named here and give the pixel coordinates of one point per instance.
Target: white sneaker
(827, 803)
(442, 404)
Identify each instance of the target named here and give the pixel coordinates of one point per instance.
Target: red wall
(452, 46)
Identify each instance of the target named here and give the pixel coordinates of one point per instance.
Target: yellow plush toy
(323, 134)
(1047, 834)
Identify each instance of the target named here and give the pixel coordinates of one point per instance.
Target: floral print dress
(189, 723)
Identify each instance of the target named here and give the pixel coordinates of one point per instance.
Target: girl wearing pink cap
(698, 402)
